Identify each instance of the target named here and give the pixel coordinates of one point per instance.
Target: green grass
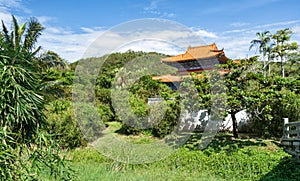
(116, 171)
(224, 159)
(113, 127)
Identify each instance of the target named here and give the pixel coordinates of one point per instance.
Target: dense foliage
(21, 109)
(118, 74)
(26, 147)
(266, 99)
(38, 117)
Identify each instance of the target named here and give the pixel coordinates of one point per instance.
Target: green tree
(271, 99)
(237, 88)
(282, 46)
(51, 59)
(263, 45)
(229, 92)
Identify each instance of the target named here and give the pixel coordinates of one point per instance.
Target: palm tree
(263, 44)
(282, 48)
(269, 56)
(30, 35)
(51, 59)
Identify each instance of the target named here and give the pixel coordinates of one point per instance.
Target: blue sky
(72, 25)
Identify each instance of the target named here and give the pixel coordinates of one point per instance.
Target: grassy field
(224, 159)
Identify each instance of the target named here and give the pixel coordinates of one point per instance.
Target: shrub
(62, 122)
(105, 112)
(89, 121)
(169, 121)
(285, 104)
(8, 170)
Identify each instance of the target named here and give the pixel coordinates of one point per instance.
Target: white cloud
(236, 48)
(5, 17)
(205, 34)
(56, 30)
(296, 30)
(233, 6)
(236, 42)
(92, 30)
(296, 34)
(151, 45)
(283, 23)
(239, 24)
(87, 30)
(8, 5)
(271, 27)
(168, 15)
(153, 8)
(67, 44)
(6, 8)
(4, 13)
(45, 19)
(163, 41)
(72, 46)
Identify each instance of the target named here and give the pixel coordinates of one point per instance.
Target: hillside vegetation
(51, 112)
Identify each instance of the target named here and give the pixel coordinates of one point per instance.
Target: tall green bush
(62, 122)
(22, 116)
(21, 109)
(272, 99)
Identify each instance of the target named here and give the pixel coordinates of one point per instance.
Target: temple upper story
(197, 59)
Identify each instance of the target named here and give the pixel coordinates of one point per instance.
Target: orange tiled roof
(236, 61)
(176, 78)
(167, 78)
(199, 52)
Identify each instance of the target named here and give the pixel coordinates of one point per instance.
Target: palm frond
(16, 36)
(254, 43)
(21, 30)
(36, 51)
(33, 32)
(5, 32)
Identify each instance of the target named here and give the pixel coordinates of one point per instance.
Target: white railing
(291, 138)
(291, 130)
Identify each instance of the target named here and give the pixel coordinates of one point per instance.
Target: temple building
(195, 59)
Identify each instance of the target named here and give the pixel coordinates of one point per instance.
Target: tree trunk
(264, 66)
(282, 68)
(269, 63)
(234, 125)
